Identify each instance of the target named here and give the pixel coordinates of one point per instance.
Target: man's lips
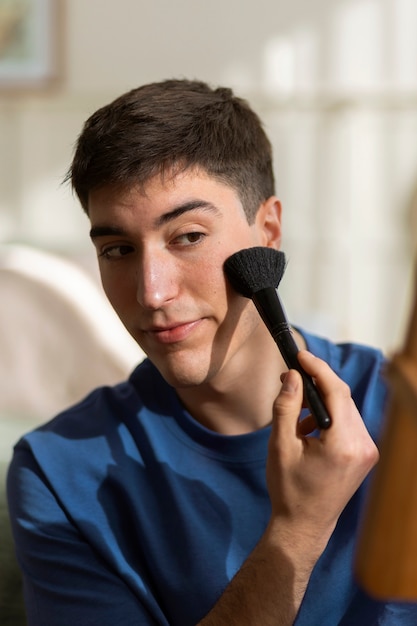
(173, 333)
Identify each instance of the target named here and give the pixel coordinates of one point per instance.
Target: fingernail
(289, 382)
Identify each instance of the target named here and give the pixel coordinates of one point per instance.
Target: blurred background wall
(335, 82)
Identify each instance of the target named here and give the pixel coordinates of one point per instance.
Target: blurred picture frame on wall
(30, 45)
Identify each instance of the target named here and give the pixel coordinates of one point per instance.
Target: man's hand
(312, 477)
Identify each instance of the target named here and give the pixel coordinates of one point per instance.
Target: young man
(193, 493)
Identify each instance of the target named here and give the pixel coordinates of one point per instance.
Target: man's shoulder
(345, 357)
(95, 431)
(103, 409)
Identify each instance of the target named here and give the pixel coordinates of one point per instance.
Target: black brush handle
(271, 310)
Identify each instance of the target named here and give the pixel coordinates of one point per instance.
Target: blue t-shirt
(126, 511)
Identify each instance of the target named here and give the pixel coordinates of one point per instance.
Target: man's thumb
(289, 400)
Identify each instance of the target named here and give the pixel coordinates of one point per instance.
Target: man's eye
(116, 252)
(189, 238)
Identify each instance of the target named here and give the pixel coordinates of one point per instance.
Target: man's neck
(241, 403)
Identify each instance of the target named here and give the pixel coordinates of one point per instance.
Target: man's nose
(156, 280)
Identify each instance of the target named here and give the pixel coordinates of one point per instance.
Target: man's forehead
(164, 177)
(196, 182)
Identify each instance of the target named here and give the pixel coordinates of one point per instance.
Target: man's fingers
(348, 436)
(290, 393)
(325, 377)
(334, 391)
(287, 408)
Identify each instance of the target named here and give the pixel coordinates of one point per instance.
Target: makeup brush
(255, 273)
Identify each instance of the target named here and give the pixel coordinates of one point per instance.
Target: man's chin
(182, 379)
(181, 373)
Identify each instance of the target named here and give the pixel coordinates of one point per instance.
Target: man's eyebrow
(192, 205)
(106, 231)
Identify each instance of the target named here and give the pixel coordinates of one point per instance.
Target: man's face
(161, 251)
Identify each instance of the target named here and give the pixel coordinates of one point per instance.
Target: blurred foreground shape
(386, 562)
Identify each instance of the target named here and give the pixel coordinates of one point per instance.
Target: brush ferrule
(269, 306)
(266, 301)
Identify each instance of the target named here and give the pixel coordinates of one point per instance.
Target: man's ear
(268, 223)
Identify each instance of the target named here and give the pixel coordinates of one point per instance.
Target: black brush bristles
(253, 269)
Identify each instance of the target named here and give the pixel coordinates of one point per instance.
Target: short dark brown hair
(175, 124)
